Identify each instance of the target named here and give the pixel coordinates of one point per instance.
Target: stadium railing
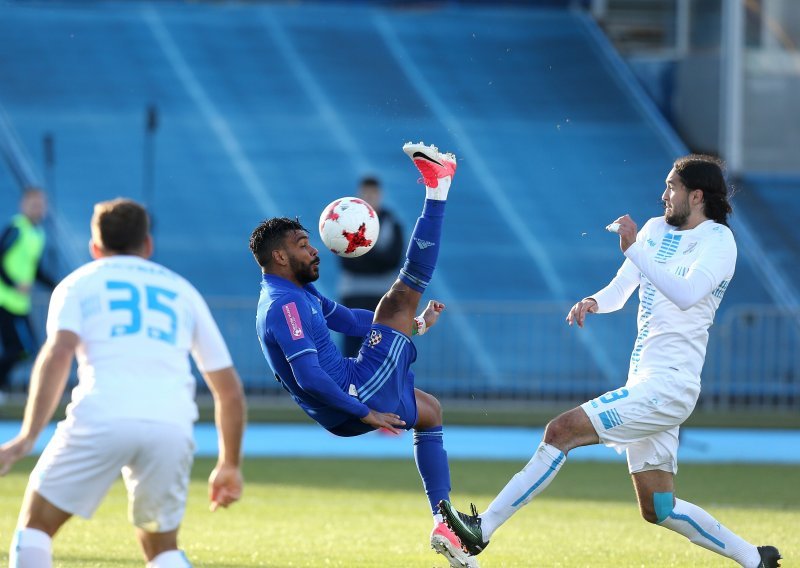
(752, 361)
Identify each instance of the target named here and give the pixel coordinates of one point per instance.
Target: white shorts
(82, 461)
(644, 417)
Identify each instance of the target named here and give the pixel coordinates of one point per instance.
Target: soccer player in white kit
(682, 263)
(132, 324)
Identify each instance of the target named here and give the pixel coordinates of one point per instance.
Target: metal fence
(525, 352)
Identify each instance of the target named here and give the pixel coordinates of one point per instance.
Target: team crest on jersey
(375, 337)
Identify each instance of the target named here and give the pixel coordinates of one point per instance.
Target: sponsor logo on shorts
(293, 321)
(375, 337)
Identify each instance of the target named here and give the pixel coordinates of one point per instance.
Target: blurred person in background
(21, 247)
(682, 263)
(365, 279)
(132, 324)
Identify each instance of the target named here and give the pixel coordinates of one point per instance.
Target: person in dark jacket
(365, 279)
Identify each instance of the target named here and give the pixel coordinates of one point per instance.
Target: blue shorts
(383, 379)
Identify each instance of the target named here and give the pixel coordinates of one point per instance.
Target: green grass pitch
(350, 513)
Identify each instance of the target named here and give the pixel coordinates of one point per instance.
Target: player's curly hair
(270, 235)
(698, 171)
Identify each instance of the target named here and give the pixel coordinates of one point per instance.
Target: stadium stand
(269, 109)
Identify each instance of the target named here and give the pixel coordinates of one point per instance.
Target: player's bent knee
(663, 503)
(436, 409)
(557, 432)
(429, 409)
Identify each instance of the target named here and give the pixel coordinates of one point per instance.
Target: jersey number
(154, 301)
(614, 395)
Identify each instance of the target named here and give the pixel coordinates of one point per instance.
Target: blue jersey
(292, 326)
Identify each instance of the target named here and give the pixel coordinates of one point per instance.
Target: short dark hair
(371, 181)
(270, 235)
(707, 173)
(120, 226)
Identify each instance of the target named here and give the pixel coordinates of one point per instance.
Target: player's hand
(384, 420)
(432, 312)
(578, 312)
(627, 231)
(224, 485)
(13, 451)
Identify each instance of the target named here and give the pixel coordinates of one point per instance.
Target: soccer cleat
(432, 164)
(466, 527)
(447, 544)
(770, 557)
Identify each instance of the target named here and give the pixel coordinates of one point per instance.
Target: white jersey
(682, 276)
(137, 322)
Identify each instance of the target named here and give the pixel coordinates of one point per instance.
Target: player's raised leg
(398, 306)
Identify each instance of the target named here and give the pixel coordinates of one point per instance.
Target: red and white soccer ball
(349, 227)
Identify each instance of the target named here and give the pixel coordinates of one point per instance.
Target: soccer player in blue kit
(353, 396)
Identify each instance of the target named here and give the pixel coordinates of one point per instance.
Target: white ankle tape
(439, 193)
(420, 327)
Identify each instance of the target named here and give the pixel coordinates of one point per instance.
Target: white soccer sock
(438, 519)
(31, 548)
(704, 530)
(523, 487)
(439, 192)
(170, 559)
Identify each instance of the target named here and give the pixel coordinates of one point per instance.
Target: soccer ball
(349, 227)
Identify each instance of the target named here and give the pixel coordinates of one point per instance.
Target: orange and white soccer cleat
(432, 164)
(446, 543)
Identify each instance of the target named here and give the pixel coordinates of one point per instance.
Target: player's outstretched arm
(48, 379)
(230, 412)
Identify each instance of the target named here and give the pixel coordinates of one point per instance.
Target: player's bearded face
(676, 210)
(676, 201)
(305, 269)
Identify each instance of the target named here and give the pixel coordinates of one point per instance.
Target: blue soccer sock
(423, 249)
(432, 464)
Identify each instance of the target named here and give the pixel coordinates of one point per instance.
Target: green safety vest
(20, 263)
